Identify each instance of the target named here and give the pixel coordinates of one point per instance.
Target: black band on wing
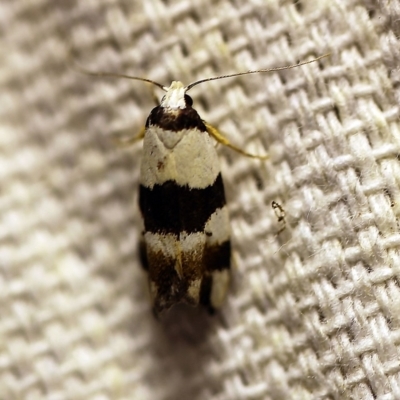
(171, 208)
(217, 257)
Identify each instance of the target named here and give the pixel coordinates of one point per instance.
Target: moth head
(175, 96)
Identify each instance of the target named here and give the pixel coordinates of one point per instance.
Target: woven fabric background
(313, 312)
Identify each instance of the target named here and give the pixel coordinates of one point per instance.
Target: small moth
(186, 246)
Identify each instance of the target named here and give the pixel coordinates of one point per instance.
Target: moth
(185, 246)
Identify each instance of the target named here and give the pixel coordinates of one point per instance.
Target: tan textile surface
(314, 313)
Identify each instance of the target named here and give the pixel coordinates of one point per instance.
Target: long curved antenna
(113, 75)
(256, 71)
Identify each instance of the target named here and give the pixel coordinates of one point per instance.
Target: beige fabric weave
(314, 312)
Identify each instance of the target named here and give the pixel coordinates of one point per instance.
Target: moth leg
(219, 137)
(130, 140)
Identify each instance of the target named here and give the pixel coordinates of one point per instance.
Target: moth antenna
(256, 71)
(114, 75)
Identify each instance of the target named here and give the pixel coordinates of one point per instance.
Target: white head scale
(175, 96)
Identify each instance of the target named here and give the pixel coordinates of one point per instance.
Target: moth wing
(186, 224)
